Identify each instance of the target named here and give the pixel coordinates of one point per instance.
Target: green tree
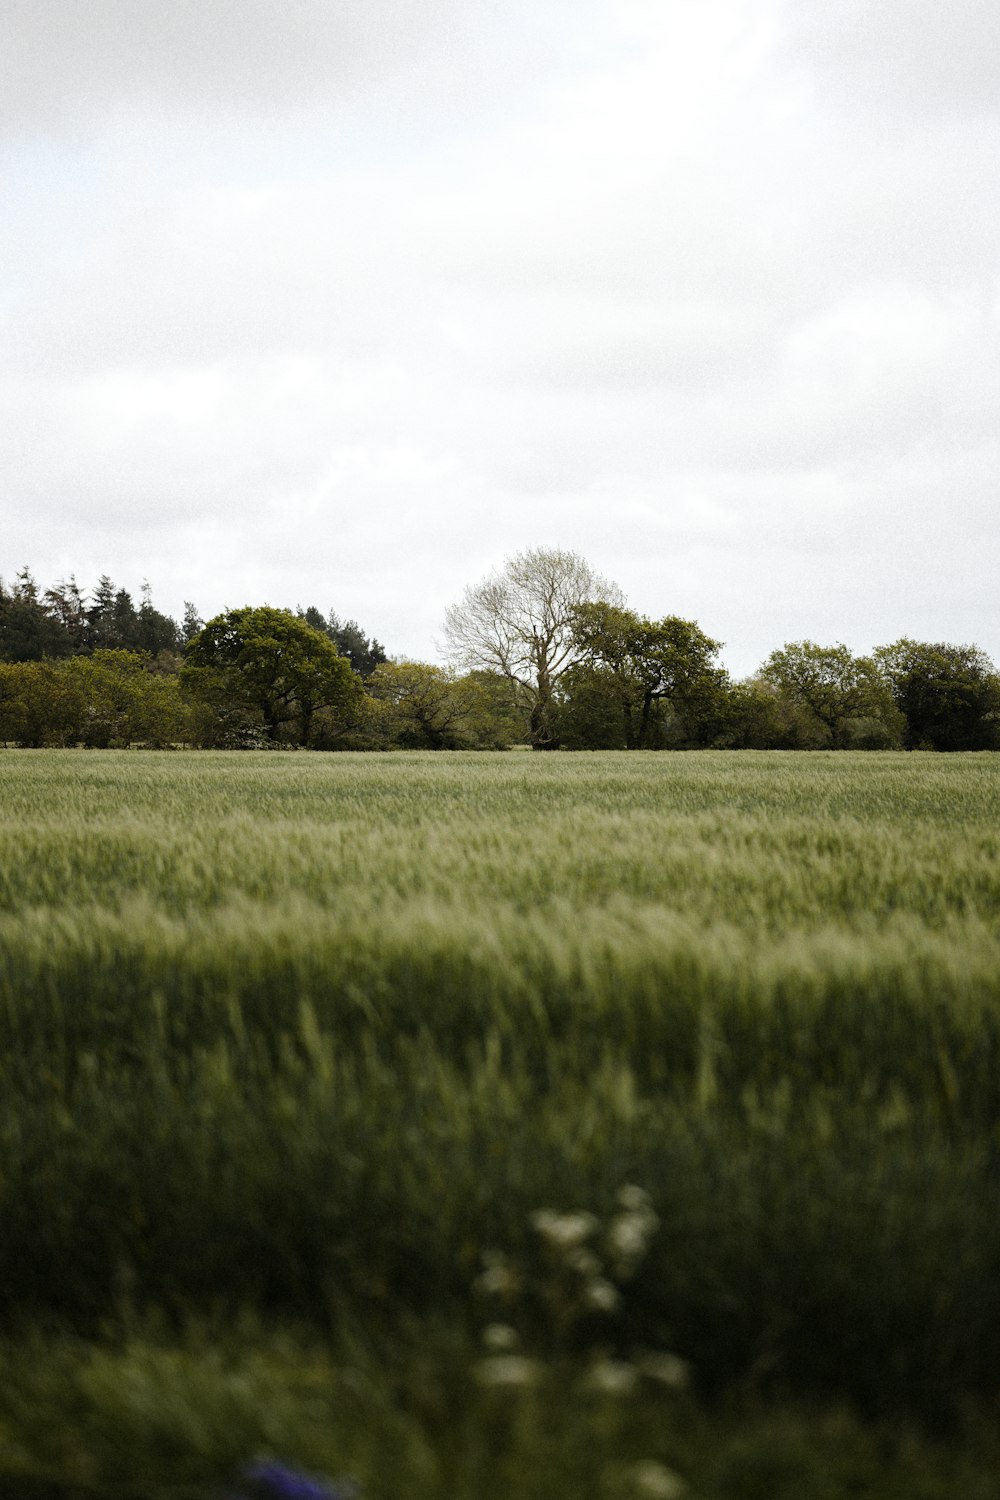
(949, 695)
(844, 699)
(662, 673)
(520, 623)
(755, 717)
(29, 629)
(40, 704)
(191, 625)
(65, 602)
(363, 654)
(502, 712)
(125, 701)
(109, 698)
(430, 707)
(590, 713)
(155, 632)
(427, 706)
(104, 616)
(271, 662)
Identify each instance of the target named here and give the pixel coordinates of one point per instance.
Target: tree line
(543, 652)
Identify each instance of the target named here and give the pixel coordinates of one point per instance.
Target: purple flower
(267, 1480)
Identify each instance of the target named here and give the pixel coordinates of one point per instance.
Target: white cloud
(105, 64)
(919, 55)
(341, 303)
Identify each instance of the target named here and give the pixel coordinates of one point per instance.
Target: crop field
(500, 1125)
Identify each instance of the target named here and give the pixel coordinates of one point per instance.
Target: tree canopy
(273, 663)
(109, 698)
(835, 691)
(949, 696)
(350, 640)
(29, 629)
(520, 622)
(543, 651)
(650, 662)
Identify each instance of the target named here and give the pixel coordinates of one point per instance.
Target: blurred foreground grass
(136, 1418)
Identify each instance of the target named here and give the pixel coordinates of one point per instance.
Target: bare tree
(518, 622)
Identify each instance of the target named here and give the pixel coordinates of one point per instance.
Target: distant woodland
(543, 652)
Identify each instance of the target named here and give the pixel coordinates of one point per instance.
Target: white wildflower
(629, 1235)
(585, 1262)
(611, 1377)
(631, 1230)
(563, 1231)
(507, 1371)
(496, 1279)
(654, 1481)
(500, 1337)
(601, 1295)
(634, 1199)
(669, 1369)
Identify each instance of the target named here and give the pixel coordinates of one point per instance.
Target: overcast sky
(340, 302)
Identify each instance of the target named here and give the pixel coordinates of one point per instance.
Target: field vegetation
(620, 1124)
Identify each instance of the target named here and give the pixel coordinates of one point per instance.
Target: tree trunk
(542, 736)
(629, 721)
(647, 708)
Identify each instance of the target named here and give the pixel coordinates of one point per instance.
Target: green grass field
(295, 1048)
